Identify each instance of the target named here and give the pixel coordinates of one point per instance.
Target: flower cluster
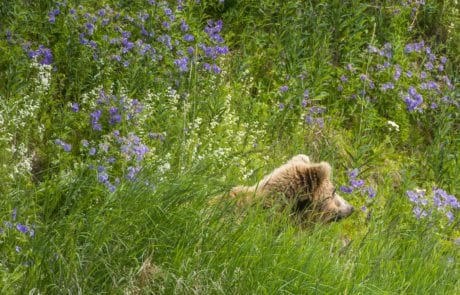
(114, 143)
(356, 184)
(439, 202)
(43, 55)
(23, 230)
(157, 34)
(419, 80)
(67, 147)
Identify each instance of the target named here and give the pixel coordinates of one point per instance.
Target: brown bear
(303, 185)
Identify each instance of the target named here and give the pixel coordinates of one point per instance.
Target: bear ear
(322, 171)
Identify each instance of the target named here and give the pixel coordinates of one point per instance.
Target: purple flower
(357, 183)
(284, 89)
(386, 86)
(17, 248)
(364, 208)
(95, 116)
(320, 122)
(182, 64)
(371, 192)
(166, 25)
(450, 216)
(353, 173)
(22, 228)
(413, 196)
(216, 69)
(409, 74)
(74, 107)
(92, 151)
(397, 73)
(443, 59)
(422, 75)
(281, 106)
(222, 50)
(13, 214)
(167, 11)
(189, 37)
(183, 26)
(65, 146)
(103, 177)
(132, 171)
(429, 66)
(346, 189)
(89, 28)
(344, 79)
(419, 212)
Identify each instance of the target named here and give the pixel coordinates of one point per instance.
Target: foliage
(120, 121)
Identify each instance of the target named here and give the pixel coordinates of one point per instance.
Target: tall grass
(120, 121)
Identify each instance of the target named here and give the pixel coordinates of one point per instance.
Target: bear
(305, 186)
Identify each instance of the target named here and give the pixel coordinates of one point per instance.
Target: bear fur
(301, 184)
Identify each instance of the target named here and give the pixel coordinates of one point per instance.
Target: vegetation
(121, 120)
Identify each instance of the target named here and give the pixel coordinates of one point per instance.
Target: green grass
(156, 230)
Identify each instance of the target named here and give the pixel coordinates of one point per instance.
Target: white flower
(393, 125)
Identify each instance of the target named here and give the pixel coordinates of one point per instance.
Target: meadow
(121, 120)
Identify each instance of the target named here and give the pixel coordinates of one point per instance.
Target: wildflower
(393, 125)
(13, 214)
(429, 66)
(92, 151)
(422, 75)
(371, 192)
(386, 86)
(357, 183)
(182, 63)
(189, 37)
(183, 26)
(89, 28)
(216, 69)
(443, 59)
(65, 146)
(419, 212)
(52, 16)
(409, 74)
(346, 189)
(353, 173)
(74, 107)
(364, 208)
(222, 50)
(95, 120)
(344, 78)
(281, 106)
(103, 177)
(22, 228)
(284, 89)
(17, 249)
(397, 73)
